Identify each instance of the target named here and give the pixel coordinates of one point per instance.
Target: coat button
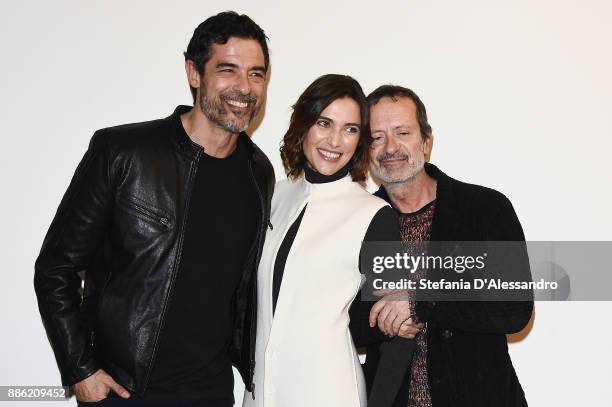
(447, 333)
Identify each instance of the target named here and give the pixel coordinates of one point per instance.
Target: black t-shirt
(193, 360)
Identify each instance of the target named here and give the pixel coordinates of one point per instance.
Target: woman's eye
(352, 129)
(323, 123)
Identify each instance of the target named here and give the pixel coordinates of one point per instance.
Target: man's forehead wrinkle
(390, 120)
(231, 48)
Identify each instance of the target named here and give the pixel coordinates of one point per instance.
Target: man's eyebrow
(402, 126)
(235, 66)
(226, 65)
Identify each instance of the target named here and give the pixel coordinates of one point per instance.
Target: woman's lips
(327, 155)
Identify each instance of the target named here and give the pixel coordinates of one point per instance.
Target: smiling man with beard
(461, 358)
(167, 219)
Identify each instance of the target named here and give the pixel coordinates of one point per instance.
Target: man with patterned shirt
(461, 357)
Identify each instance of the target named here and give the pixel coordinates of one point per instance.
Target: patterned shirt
(416, 227)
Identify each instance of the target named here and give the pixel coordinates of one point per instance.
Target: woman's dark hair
(320, 94)
(219, 29)
(394, 92)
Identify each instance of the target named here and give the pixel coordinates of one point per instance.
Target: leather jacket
(122, 221)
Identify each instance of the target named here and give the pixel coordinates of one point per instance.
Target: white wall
(519, 95)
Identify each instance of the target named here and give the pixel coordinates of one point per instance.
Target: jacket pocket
(144, 210)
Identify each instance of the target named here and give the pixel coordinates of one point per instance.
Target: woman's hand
(392, 314)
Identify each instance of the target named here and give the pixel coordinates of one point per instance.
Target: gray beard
(216, 113)
(403, 178)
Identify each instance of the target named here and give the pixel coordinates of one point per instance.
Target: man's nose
(390, 144)
(243, 84)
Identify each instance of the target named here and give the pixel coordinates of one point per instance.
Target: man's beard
(399, 173)
(215, 111)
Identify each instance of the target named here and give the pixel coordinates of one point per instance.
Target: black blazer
(467, 352)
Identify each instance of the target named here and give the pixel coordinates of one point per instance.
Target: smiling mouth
(329, 155)
(235, 103)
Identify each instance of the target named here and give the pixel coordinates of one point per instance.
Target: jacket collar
(445, 222)
(186, 145)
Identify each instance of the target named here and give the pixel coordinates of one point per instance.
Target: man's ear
(193, 76)
(428, 147)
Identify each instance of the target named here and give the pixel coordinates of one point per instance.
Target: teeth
(329, 154)
(237, 104)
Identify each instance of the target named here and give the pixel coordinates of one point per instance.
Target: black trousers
(113, 400)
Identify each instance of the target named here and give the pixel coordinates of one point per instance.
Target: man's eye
(257, 74)
(403, 133)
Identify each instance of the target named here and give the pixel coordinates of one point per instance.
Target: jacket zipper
(194, 166)
(262, 230)
(146, 212)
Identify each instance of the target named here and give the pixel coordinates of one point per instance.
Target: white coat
(304, 354)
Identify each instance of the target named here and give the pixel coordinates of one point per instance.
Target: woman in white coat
(309, 316)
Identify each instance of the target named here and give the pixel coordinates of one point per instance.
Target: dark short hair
(219, 29)
(320, 94)
(394, 92)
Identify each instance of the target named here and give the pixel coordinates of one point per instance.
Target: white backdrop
(519, 95)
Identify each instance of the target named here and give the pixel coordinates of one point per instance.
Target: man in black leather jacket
(461, 358)
(166, 219)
